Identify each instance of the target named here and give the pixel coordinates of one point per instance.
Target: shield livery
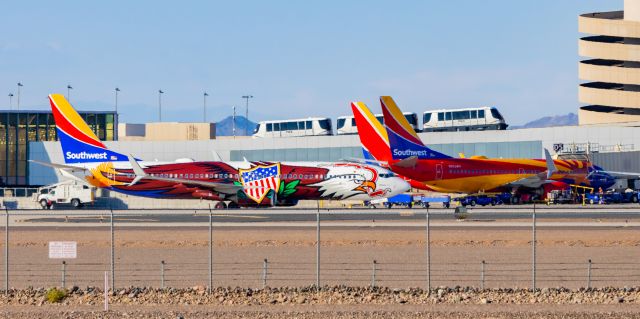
(259, 180)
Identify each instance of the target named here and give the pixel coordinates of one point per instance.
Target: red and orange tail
(373, 136)
(79, 143)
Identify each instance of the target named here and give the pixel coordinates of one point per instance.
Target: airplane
(405, 154)
(257, 183)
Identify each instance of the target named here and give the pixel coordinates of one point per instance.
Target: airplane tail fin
(79, 143)
(373, 136)
(403, 139)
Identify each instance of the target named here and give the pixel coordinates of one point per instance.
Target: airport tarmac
(501, 216)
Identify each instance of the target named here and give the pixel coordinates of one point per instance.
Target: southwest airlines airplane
(398, 145)
(87, 159)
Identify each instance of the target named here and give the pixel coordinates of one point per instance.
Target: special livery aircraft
(239, 183)
(397, 146)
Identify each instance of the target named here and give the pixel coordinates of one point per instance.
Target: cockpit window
(386, 175)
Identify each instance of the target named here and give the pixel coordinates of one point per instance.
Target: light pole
(246, 127)
(115, 116)
(69, 88)
(10, 101)
(160, 92)
(117, 90)
(204, 107)
(19, 86)
(233, 124)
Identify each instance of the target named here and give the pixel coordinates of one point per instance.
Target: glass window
(474, 114)
(292, 126)
(340, 123)
(353, 122)
(411, 118)
(269, 127)
(309, 125)
(301, 125)
(496, 114)
(440, 116)
(480, 114)
(426, 118)
(448, 116)
(380, 119)
(325, 124)
(276, 127)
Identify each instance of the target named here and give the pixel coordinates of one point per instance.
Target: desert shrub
(56, 295)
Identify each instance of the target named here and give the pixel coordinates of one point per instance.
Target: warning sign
(63, 249)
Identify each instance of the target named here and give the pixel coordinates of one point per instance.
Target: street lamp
(204, 107)
(115, 116)
(19, 86)
(10, 101)
(160, 92)
(69, 88)
(246, 127)
(117, 90)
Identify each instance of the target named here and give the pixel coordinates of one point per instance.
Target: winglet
(137, 169)
(551, 166)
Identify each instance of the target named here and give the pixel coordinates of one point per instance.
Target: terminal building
(609, 130)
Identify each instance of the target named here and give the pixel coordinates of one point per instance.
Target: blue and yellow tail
(403, 139)
(79, 143)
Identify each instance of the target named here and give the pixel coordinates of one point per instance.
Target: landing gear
(220, 205)
(233, 205)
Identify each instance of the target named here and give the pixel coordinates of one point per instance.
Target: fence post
(533, 247)
(64, 274)
(482, 275)
(264, 273)
(6, 251)
(428, 251)
(318, 247)
(210, 251)
(113, 255)
(162, 274)
(373, 274)
(589, 274)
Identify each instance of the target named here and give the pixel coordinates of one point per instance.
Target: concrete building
(166, 131)
(612, 90)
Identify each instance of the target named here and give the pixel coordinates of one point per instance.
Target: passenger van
(347, 124)
(300, 127)
(469, 119)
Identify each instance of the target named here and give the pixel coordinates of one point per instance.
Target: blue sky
(298, 58)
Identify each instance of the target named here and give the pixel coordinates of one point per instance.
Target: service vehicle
(66, 193)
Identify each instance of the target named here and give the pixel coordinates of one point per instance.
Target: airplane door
(439, 171)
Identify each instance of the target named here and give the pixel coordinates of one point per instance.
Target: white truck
(68, 192)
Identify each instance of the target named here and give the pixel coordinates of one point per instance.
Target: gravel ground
(334, 302)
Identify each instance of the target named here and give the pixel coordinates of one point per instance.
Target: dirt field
(347, 256)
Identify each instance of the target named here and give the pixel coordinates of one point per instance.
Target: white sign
(63, 249)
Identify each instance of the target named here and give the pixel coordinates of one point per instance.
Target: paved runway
(516, 216)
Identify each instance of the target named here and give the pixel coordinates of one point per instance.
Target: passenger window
(426, 117)
(276, 127)
(269, 127)
(474, 114)
(440, 116)
(309, 126)
(481, 114)
(301, 125)
(448, 116)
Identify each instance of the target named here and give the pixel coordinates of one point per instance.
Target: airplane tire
(220, 205)
(233, 205)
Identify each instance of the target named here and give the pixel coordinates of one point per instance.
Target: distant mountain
(550, 121)
(225, 127)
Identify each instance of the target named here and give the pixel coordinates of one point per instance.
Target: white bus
(347, 124)
(298, 127)
(469, 119)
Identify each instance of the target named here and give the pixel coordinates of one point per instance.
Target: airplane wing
(538, 180)
(61, 166)
(407, 162)
(218, 187)
(617, 174)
